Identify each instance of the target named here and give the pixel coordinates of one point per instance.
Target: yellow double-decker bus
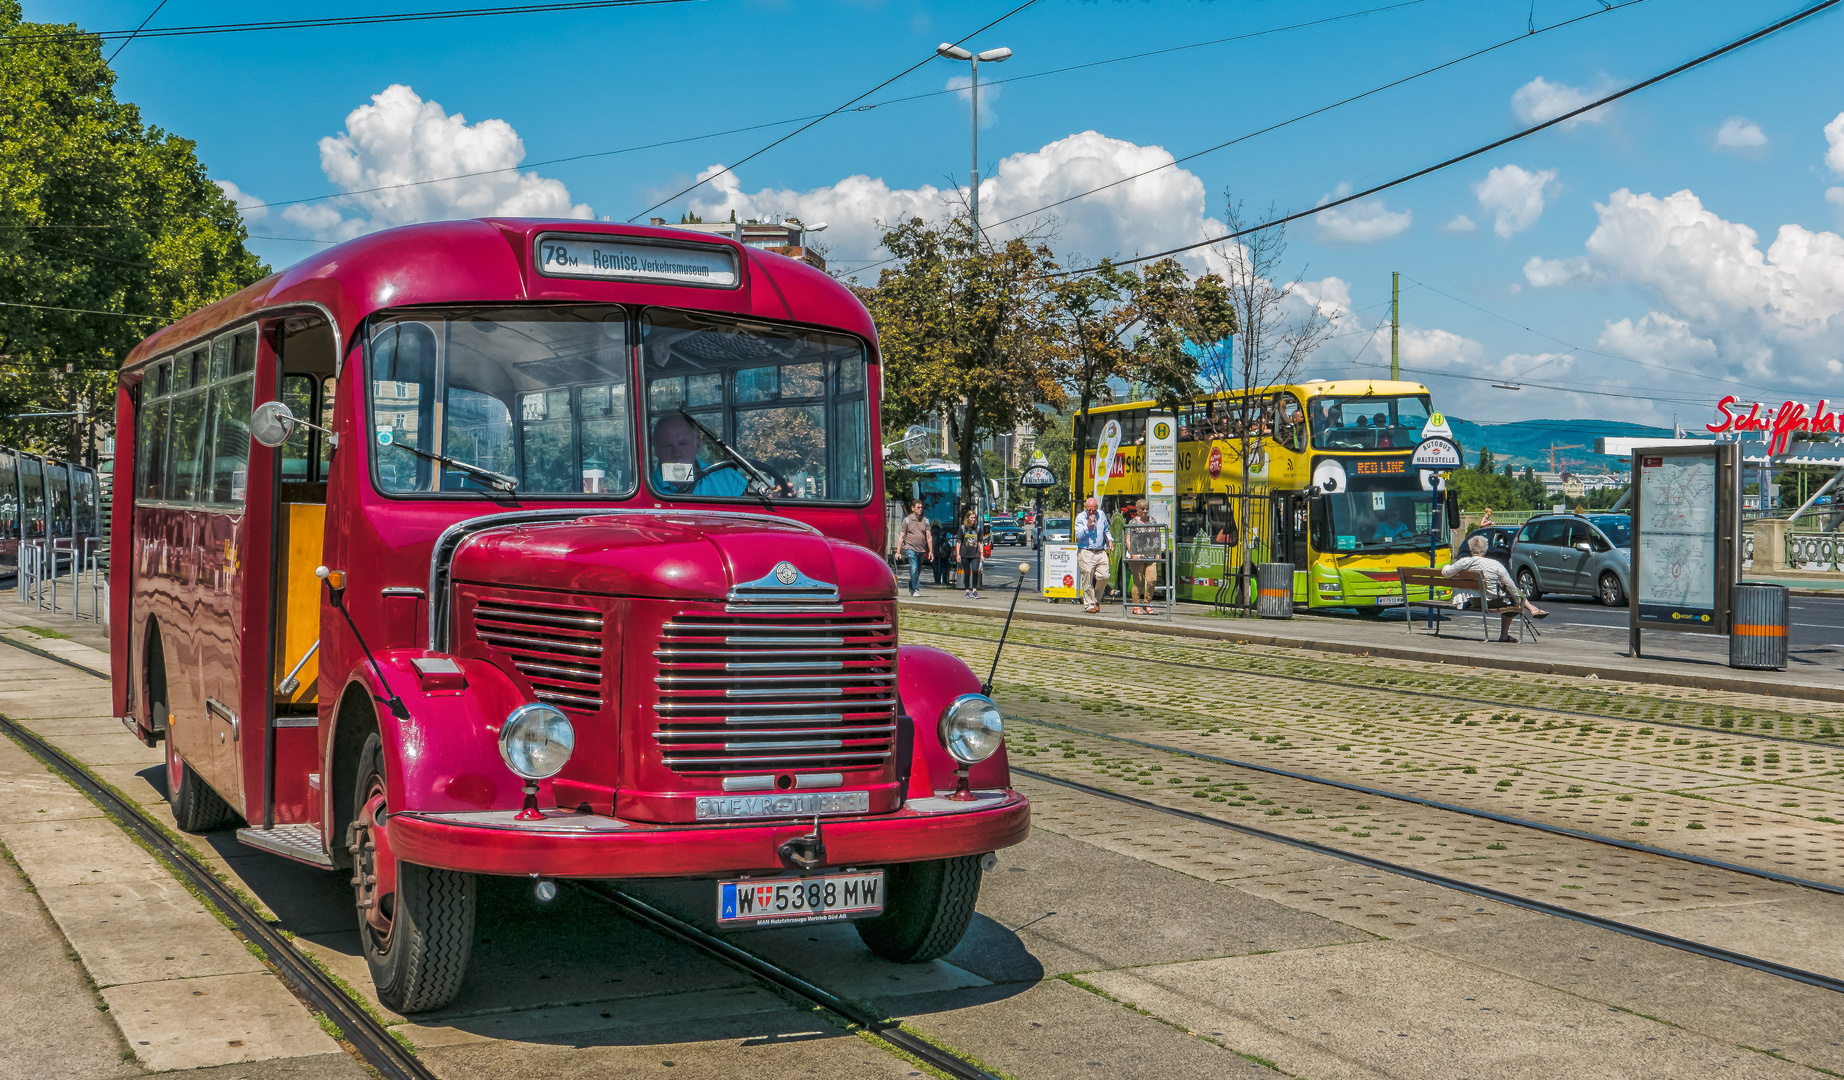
(1315, 474)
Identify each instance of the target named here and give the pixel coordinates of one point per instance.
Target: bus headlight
(536, 741)
(971, 728)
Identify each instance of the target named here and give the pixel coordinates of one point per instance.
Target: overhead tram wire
(316, 24)
(867, 107)
(137, 30)
(1175, 162)
(1300, 215)
(773, 123)
(824, 116)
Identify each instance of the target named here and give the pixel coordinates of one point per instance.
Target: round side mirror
(272, 423)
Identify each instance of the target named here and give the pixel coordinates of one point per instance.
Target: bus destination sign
(625, 260)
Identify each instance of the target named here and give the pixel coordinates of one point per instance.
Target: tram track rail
(889, 1032)
(1479, 703)
(1454, 808)
(371, 1038)
(1713, 952)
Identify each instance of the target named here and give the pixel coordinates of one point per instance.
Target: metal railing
(44, 565)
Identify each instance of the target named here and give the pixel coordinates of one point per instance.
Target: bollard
(1274, 580)
(1757, 630)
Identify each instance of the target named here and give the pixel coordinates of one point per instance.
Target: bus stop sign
(1435, 452)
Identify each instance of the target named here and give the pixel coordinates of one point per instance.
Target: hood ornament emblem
(786, 574)
(783, 585)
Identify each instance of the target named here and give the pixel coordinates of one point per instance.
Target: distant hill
(1526, 443)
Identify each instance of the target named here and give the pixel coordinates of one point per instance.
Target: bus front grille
(558, 649)
(762, 693)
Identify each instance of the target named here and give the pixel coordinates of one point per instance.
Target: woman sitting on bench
(1501, 591)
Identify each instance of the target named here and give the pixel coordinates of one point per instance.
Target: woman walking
(969, 538)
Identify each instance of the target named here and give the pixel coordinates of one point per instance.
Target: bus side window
(298, 395)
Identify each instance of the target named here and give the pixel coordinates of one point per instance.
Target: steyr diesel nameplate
(667, 264)
(823, 898)
(714, 807)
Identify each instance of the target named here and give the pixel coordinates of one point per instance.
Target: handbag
(985, 551)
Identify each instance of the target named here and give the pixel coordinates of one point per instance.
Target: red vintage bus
(548, 549)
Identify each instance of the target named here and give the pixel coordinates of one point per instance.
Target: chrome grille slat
(557, 648)
(734, 691)
(712, 736)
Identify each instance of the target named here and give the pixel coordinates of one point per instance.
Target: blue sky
(1671, 300)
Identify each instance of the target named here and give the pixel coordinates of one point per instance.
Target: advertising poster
(1104, 457)
(1058, 569)
(1676, 535)
(1161, 455)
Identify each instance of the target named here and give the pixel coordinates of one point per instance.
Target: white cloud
(1658, 338)
(1549, 273)
(1539, 100)
(1740, 133)
(400, 139)
(1514, 197)
(252, 208)
(1460, 224)
(1777, 313)
(1360, 222)
(1149, 213)
(1834, 144)
(962, 86)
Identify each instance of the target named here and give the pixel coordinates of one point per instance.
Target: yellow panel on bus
(297, 598)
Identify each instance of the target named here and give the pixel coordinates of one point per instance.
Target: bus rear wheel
(417, 922)
(927, 906)
(196, 808)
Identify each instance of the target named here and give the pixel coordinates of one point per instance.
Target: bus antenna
(336, 592)
(986, 687)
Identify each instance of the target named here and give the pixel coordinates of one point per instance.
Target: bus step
(298, 842)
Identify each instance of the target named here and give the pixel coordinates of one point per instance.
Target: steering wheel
(774, 474)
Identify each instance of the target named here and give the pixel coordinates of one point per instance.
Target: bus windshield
(753, 410)
(538, 396)
(1376, 521)
(1368, 423)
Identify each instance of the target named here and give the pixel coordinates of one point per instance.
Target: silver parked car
(1575, 553)
(1050, 530)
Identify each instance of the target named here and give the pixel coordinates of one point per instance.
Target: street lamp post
(990, 56)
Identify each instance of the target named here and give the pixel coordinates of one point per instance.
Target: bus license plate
(1386, 601)
(787, 901)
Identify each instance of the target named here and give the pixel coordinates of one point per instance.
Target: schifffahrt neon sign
(1778, 423)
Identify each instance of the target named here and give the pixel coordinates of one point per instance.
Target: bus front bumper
(566, 844)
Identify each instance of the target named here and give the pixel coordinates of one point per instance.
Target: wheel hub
(374, 868)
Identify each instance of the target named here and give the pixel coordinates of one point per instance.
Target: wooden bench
(1430, 579)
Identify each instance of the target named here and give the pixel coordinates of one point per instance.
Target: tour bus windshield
(741, 410)
(538, 396)
(1375, 521)
(1368, 423)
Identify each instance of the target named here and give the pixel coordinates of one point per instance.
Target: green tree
(1149, 328)
(965, 330)
(98, 213)
(1486, 464)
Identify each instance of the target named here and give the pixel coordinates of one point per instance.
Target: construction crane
(1552, 453)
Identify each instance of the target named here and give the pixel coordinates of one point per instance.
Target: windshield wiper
(743, 462)
(498, 480)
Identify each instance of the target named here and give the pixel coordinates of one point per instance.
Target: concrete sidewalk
(1578, 650)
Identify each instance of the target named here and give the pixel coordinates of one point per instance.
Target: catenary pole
(1395, 325)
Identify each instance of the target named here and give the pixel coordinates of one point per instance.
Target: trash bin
(1757, 631)
(1274, 580)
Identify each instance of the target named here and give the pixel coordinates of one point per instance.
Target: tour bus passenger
(675, 444)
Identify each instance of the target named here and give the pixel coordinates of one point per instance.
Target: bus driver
(675, 444)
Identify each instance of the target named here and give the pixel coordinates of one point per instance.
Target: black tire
(1527, 581)
(927, 906)
(196, 808)
(421, 961)
(1611, 594)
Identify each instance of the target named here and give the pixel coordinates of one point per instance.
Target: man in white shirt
(1501, 592)
(1090, 532)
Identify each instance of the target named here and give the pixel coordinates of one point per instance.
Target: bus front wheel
(417, 922)
(927, 906)
(196, 808)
